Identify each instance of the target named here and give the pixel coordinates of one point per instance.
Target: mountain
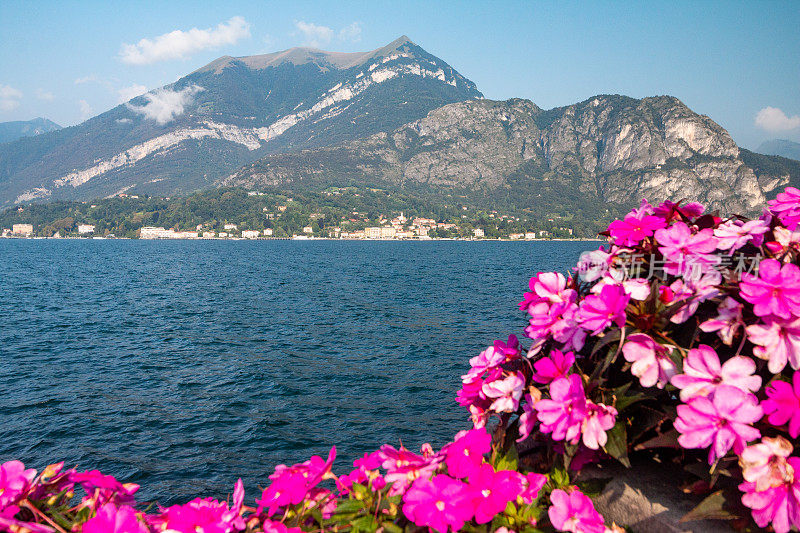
(11, 131)
(781, 147)
(186, 135)
(608, 150)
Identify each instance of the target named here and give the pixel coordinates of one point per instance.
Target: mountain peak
(301, 55)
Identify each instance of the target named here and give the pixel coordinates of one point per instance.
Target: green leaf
(391, 527)
(617, 445)
(593, 487)
(349, 506)
(710, 508)
(508, 461)
(365, 523)
(559, 477)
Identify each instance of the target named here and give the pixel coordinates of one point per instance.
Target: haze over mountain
(11, 131)
(395, 117)
(781, 147)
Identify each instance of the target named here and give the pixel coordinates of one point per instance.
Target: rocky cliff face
(614, 149)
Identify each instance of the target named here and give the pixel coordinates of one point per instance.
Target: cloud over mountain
(774, 119)
(9, 97)
(181, 44)
(163, 105)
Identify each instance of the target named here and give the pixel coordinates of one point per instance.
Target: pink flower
(633, 229)
(684, 251)
(574, 512)
(720, 422)
(527, 420)
(599, 419)
(694, 290)
(765, 463)
(207, 515)
(466, 453)
(651, 361)
(272, 526)
(506, 393)
(783, 404)
(487, 360)
(778, 506)
(441, 503)
(113, 519)
(777, 342)
(702, 373)
(776, 290)
(594, 265)
(14, 482)
(555, 366)
(563, 414)
(597, 312)
(734, 234)
(101, 488)
(550, 287)
(787, 207)
(510, 348)
(403, 467)
(727, 322)
(493, 490)
(533, 483)
(290, 484)
(670, 210)
(636, 288)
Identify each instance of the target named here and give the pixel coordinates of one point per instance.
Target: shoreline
(295, 239)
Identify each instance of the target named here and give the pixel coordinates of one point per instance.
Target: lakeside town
(398, 228)
(346, 214)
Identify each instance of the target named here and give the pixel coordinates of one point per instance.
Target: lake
(183, 365)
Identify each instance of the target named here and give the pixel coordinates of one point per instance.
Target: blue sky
(738, 62)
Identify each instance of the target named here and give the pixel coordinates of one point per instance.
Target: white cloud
(180, 44)
(774, 119)
(86, 109)
(351, 33)
(314, 34)
(163, 105)
(128, 93)
(9, 97)
(47, 96)
(123, 121)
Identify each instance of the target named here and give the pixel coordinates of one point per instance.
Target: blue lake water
(183, 365)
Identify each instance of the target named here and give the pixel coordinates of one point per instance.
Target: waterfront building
(478, 232)
(388, 233)
(23, 230)
(530, 235)
(268, 232)
(308, 229)
(250, 234)
(372, 232)
(83, 229)
(230, 227)
(208, 234)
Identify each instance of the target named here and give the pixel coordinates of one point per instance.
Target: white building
(208, 234)
(308, 229)
(83, 229)
(372, 232)
(388, 233)
(250, 234)
(230, 227)
(478, 232)
(25, 230)
(268, 232)
(530, 235)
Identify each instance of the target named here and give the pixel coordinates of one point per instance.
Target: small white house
(478, 232)
(83, 229)
(268, 232)
(250, 234)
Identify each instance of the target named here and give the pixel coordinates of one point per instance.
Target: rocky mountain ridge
(11, 131)
(610, 148)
